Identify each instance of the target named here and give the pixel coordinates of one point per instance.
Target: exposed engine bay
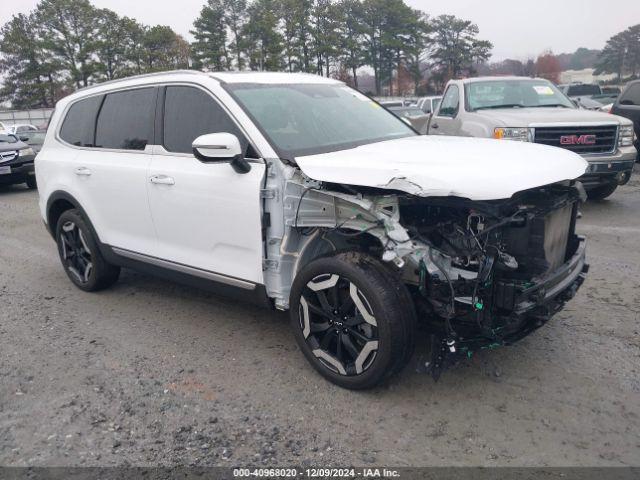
(481, 274)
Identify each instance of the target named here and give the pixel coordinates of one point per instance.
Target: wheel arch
(327, 243)
(58, 203)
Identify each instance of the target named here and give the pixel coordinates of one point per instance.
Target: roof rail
(144, 75)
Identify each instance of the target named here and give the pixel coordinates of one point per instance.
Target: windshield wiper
(555, 105)
(493, 107)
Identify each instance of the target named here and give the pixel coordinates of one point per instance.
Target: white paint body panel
(478, 169)
(210, 217)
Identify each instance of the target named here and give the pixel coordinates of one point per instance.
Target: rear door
(110, 169)
(206, 215)
(628, 106)
(446, 121)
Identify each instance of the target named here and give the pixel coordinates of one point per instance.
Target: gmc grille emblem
(578, 140)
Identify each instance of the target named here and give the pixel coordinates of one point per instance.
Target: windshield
(8, 139)
(307, 119)
(514, 94)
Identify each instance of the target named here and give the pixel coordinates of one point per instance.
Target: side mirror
(221, 147)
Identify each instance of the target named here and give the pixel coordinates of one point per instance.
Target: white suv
(299, 193)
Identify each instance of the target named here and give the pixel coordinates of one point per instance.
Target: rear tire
(353, 319)
(602, 192)
(80, 256)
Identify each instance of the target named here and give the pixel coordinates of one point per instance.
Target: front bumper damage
(531, 307)
(481, 274)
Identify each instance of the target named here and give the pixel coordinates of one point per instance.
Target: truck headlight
(26, 152)
(517, 134)
(627, 136)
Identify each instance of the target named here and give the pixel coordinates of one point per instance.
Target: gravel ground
(150, 373)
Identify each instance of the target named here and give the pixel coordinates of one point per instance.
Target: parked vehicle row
(17, 129)
(413, 116)
(628, 106)
(16, 161)
(301, 194)
(534, 110)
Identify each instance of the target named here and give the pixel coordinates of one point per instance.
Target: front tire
(31, 182)
(80, 256)
(351, 319)
(602, 192)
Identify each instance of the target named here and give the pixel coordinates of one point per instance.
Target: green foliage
(457, 48)
(621, 54)
(210, 33)
(67, 44)
(263, 41)
(30, 76)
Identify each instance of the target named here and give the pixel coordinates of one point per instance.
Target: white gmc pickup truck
(534, 110)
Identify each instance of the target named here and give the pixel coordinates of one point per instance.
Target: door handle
(162, 180)
(435, 125)
(82, 171)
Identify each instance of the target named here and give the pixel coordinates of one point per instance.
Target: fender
(62, 195)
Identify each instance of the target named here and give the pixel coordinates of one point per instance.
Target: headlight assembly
(26, 152)
(627, 136)
(517, 134)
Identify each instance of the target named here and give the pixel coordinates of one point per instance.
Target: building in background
(38, 117)
(584, 76)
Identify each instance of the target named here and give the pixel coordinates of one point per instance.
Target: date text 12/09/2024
(316, 472)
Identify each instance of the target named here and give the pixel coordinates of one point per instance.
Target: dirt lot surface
(150, 372)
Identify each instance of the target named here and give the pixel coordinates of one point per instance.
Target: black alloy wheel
(338, 324)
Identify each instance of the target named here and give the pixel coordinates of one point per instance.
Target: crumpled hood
(435, 166)
(525, 117)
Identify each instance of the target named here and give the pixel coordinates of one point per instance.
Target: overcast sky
(517, 29)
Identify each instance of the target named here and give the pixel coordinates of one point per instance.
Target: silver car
(534, 110)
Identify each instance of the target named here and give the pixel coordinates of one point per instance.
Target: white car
(301, 194)
(18, 128)
(429, 104)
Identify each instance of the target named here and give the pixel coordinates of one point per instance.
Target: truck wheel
(602, 192)
(80, 255)
(352, 320)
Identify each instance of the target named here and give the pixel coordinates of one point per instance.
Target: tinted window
(450, 102)
(78, 126)
(631, 96)
(579, 90)
(126, 120)
(190, 112)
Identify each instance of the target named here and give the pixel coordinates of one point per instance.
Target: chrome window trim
(161, 151)
(64, 113)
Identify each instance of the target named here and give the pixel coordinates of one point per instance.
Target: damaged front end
(481, 273)
(489, 273)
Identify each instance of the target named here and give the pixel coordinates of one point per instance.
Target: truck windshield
(308, 119)
(496, 94)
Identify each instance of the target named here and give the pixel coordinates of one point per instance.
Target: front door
(206, 215)
(445, 121)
